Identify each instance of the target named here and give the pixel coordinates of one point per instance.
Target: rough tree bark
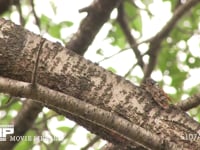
(62, 70)
(101, 9)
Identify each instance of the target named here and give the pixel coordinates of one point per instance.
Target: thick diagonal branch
(76, 43)
(108, 123)
(62, 70)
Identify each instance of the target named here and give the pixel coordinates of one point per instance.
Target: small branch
(130, 70)
(189, 103)
(120, 129)
(91, 143)
(111, 146)
(46, 118)
(71, 131)
(37, 20)
(178, 3)
(127, 31)
(158, 38)
(105, 58)
(90, 26)
(67, 136)
(19, 9)
(9, 102)
(85, 9)
(34, 74)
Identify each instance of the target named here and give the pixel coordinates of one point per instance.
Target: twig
(189, 103)
(37, 20)
(68, 135)
(158, 38)
(130, 70)
(105, 58)
(138, 7)
(121, 18)
(34, 74)
(19, 8)
(9, 102)
(86, 9)
(91, 143)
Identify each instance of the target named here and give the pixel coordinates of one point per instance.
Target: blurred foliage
(4, 99)
(52, 28)
(133, 17)
(116, 35)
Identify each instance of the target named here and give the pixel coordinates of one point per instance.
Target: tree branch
(91, 143)
(189, 103)
(125, 132)
(127, 31)
(158, 38)
(62, 70)
(90, 26)
(37, 20)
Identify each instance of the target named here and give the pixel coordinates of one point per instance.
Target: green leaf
(24, 145)
(44, 22)
(192, 62)
(130, 9)
(54, 31)
(64, 128)
(53, 6)
(134, 17)
(66, 23)
(147, 2)
(117, 36)
(111, 69)
(100, 52)
(16, 106)
(60, 118)
(3, 99)
(137, 23)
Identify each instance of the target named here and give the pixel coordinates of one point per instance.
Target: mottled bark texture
(62, 70)
(90, 26)
(106, 124)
